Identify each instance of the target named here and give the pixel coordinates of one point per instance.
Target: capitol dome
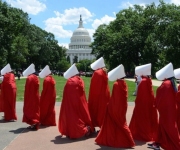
(79, 44)
(80, 38)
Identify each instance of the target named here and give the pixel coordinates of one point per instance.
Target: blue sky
(61, 17)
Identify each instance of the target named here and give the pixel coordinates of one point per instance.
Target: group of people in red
(155, 119)
(34, 103)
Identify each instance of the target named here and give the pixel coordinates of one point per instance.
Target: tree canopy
(141, 35)
(22, 43)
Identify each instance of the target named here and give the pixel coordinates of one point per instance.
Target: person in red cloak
(144, 121)
(177, 76)
(31, 109)
(9, 89)
(114, 130)
(47, 99)
(99, 93)
(74, 118)
(1, 101)
(168, 135)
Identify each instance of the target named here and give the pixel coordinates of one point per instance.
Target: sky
(61, 17)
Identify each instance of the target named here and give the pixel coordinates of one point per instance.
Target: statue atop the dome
(80, 23)
(80, 18)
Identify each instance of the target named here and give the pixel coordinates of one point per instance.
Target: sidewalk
(15, 136)
(154, 82)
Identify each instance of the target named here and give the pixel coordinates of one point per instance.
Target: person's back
(9, 97)
(47, 102)
(31, 107)
(168, 134)
(144, 121)
(115, 131)
(74, 119)
(99, 96)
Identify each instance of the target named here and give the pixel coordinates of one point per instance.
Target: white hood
(165, 72)
(72, 71)
(177, 73)
(6, 69)
(143, 70)
(45, 72)
(98, 64)
(29, 70)
(116, 73)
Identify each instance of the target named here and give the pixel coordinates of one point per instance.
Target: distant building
(79, 47)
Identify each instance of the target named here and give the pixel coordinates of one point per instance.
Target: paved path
(154, 82)
(15, 136)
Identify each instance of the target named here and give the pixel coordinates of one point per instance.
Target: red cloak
(168, 134)
(178, 107)
(74, 115)
(115, 131)
(1, 101)
(47, 102)
(9, 96)
(99, 96)
(144, 121)
(31, 107)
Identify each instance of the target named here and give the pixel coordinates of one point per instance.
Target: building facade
(79, 45)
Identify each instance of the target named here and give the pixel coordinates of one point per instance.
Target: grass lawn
(61, 81)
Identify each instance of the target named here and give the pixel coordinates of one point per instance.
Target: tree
(140, 35)
(75, 59)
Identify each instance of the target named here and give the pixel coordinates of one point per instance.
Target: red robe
(47, 102)
(168, 134)
(99, 96)
(1, 101)
(144, 121)
(178, 107)
(31, 107)
(115, 131)
(9, 96)
(74, 115)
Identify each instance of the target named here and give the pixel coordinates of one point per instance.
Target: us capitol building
(79, 46)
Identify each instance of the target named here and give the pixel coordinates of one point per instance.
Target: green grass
(61, 81)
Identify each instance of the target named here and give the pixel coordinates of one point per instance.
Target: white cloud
(66, 45)
(58, 31)
(91, 32)
(70, 16)
(125, 5)
(30, 6)
(104, 20)
(176, 2)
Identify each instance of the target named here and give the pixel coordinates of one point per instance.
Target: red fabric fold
(115, 131)
(74, 115)
(47, 102)
(178, 107)
(144, 121)
(168, 134)
(1, 100)
(9, 96)
(99, 96)
(31, 107)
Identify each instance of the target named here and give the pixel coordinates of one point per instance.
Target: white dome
(80, 36)
(81, 32)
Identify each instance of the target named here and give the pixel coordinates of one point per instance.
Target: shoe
(150, 144)
(154, 146)
(134, 94)
(12, 120)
